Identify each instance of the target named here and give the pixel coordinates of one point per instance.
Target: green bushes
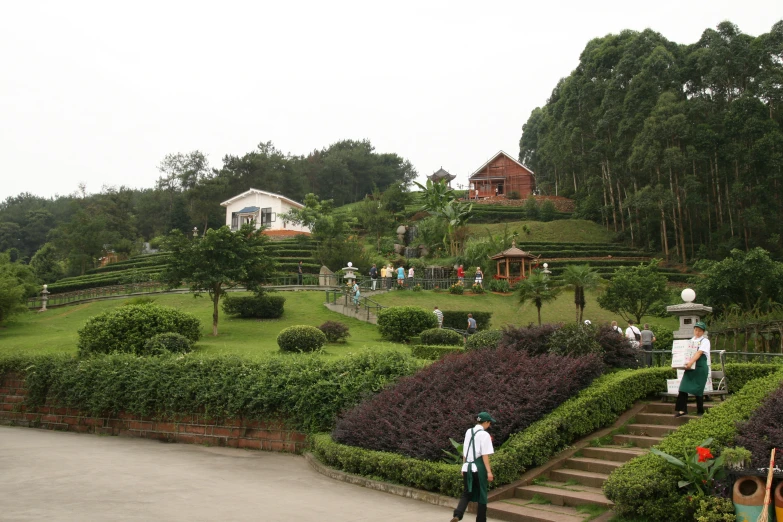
(459, 319)
(739, 374)
(647, 486)
(441, 337)
(306, 391)
(256, 306)
(335, 332)
(499, 285)
(574, 339)
(597, 406)
(165, 343)
(127, 328)
(485, 339)
(433, 353)
(401, 323)
(301, 338)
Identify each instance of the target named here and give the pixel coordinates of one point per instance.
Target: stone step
(561, 495)
(585, 478)
(517, 510)
(668, 407)
(591, 464)
(663, 419)
(640, 441)
(615, 454)
(651, 430)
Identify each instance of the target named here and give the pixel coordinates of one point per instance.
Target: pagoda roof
(513, 252)
(441, 174)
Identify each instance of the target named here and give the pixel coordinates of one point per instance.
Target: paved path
(47, 475)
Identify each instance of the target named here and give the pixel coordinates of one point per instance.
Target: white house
(262, 208)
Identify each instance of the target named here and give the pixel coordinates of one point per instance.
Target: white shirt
(631, 332)
(703, 344)
(482, 443)
(410, 272)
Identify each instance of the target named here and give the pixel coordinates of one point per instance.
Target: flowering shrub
(523, 389)
(699, 469)
(456, 289)
(477, 288)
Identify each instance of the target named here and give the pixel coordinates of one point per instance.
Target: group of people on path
(478, 278)
(388, 273)
(640, 339)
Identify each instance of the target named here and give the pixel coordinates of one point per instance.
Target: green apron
(693, 381)
(480, 492)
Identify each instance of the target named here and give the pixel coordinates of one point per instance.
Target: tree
(633, 290)
(440, 201)
(220, 260)
(16, 283)
(580, 278)
(373, 217)
(46, 264)
(538, 289)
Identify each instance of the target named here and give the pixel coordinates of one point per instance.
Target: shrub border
(434, 352)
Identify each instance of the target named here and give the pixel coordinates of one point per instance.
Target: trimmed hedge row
(647, 486)
(310, 268)
(304, 390)
(111, 279)
(597, 406)
(127, 265)
(441, 337)
(459, 319)
(254, 306)
(433, 352)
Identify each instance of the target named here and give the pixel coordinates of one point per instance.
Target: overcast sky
(99, 92)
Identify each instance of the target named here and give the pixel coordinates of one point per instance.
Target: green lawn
(54, 331)
(507, 310)
(561, 231)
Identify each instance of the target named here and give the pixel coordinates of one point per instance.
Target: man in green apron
(696, 373)
(476, 471)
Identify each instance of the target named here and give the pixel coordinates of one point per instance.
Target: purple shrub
(618, 351)
(418, 415)
(764, 431)
(531, 339)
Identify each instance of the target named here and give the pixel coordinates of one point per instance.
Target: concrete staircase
(568, 488)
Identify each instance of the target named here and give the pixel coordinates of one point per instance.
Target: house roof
(493, 158)
(441, 174)
(262, 192)
(248, 210)
(513, 252)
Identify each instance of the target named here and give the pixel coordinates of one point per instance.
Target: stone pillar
(44, 297)
(688, 312)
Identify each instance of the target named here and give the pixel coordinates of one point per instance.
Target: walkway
(66, 476)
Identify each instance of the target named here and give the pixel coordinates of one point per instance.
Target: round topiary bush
(127, 328)
(440, 337)
(165, 343)
(334, 331)
(486, 339)
(301, 338)
(401, 323)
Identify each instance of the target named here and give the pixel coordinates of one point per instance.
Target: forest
(79, 228)
(676, 148)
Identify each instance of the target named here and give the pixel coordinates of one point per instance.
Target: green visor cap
(701, 325)
(484, 417)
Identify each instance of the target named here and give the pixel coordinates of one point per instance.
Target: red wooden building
(500, 175)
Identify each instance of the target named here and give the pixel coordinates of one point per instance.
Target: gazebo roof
(441, 174)
(513, 252)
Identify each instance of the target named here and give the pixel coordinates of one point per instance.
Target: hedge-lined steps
(556, 493)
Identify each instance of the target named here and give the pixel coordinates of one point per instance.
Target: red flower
(704, 454)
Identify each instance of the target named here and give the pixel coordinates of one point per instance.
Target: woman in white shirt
(697, 372)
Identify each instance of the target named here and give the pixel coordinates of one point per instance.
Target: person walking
(476, 469)
(697, 372)
(472, 326)
(411, 275)
(633, 334)
(479, 277)
(647, 340)
(461, 275)
(616, 328)
(383, 276)
(374, 276)
(389, 276)
(356, 294)
(400, 276)
(300, 273)
(439, 315)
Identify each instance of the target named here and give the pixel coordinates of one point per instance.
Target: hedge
(255, 306)
(647, 486)
(301, 338)
(459, 319)
(433, 352)
(304, 390)
(441, 337)
(595, 407)
(401, 323)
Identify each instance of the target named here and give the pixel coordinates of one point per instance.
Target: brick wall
(191, 429)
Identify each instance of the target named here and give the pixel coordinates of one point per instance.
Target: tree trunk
(538, 307)
(664, 235)
(215, 301)
(611, 195)
(620, 204)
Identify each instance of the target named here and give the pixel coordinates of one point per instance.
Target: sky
(97, 93)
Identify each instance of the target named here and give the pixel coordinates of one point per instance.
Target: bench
(720, 387)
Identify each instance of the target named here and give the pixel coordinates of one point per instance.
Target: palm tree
(580, 278)
(538, 289)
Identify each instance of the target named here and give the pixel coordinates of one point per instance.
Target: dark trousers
(299, 277)
(648, 356)
(682, 403)
(464, 500)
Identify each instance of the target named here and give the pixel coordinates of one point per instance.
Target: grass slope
(561, 231)
(55, 331)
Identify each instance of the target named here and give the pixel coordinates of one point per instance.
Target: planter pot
(779, 501)
(748, 498)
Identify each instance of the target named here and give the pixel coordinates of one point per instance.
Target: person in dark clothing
(374, 275)
(299, 273)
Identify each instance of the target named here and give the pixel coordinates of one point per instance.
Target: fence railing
(149, 287)
(664, 357)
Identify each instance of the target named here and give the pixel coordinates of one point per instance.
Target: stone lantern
(44, 297)
(546, 270)
(349, 276)
(688, 312)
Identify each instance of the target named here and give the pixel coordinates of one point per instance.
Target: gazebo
(441, 175)
(510, 257)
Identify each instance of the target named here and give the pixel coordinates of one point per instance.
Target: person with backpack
(476, 470)
(374, 275)
(633, 334)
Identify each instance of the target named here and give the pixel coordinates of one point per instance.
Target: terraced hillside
(148, 267)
